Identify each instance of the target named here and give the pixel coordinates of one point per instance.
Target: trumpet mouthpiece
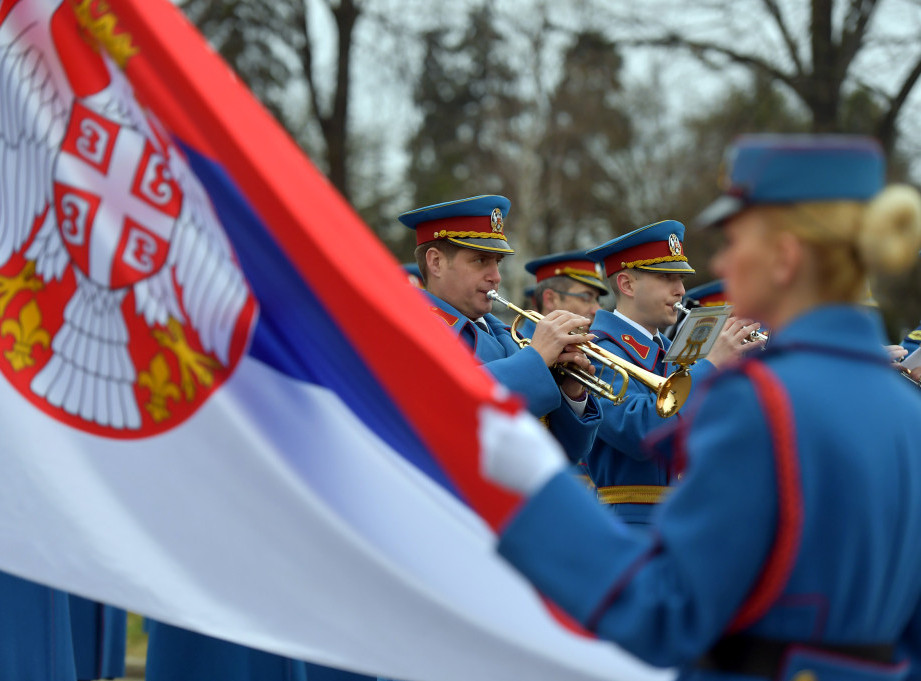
(678, 307)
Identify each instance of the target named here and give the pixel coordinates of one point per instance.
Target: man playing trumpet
(645, 270)
(459, 247)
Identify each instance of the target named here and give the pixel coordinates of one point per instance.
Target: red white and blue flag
(223, 406)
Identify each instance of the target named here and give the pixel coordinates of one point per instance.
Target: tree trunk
(823, 93)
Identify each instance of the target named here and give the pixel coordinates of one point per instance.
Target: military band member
(789, 548)
(646, 269)
(459, 247)
(567, 281)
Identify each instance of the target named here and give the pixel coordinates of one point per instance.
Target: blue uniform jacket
(618, 457)
(798, 516)
(35, 632)
(99, 633)
(523, 371)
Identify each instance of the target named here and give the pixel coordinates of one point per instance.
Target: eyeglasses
(584, 295)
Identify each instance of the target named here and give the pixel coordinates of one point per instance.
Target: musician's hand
(575, 357)
(895, 352)
(731, 343)
(555, 331)
(915, 373)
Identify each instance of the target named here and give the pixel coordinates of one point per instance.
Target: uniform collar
(641, 329)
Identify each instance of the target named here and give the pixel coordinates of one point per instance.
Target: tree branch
(701, 49)
(307, 65)
(853, 33)
(774, 10)
(886, 128)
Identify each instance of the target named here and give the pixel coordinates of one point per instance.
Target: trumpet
(671, 391)
(678, 307)
(906, 374)
(752, 337)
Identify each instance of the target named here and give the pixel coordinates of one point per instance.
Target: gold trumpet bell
(673, 393)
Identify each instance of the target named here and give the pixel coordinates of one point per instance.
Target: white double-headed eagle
(90, 373)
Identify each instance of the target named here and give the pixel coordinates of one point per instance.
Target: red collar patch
(638, 348)
(446, 317)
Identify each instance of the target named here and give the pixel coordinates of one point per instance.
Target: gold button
(805, 675)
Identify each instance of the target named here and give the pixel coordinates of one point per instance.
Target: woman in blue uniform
(790, 547)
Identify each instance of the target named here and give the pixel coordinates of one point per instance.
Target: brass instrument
(906, 373)
(671, 391)
(752, 337)
(678, 307)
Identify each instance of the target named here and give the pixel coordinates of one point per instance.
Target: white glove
(517, 451)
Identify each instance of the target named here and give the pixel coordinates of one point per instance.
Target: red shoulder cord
(775, 404)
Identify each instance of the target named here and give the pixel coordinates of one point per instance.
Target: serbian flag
(222, 405)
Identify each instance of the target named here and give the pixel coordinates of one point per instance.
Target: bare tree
(826, 52)
(297, 57)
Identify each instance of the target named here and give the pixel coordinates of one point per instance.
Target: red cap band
(656, 250)
(470, 227)
(584, 267)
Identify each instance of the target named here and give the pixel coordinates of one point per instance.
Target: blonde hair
(850, 240)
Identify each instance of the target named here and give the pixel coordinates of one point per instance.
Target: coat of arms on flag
(122, 306)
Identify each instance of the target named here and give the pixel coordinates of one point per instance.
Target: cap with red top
(477, 222)
(573, 264)
(654, 248)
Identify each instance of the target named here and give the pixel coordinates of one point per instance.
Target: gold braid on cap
(469, 235)
(654, 261)
(573, 270)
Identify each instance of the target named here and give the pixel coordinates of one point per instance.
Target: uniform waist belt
(632, 494)
(754, 656)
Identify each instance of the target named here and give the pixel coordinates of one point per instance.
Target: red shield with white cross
(115, 199)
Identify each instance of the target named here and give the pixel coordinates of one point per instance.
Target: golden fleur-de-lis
(28, 332)
(25, 280)
(157, 380)
(193, 366)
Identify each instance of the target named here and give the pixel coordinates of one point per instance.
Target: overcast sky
(382, 102)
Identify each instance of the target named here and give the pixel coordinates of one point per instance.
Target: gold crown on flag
(94, 16)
